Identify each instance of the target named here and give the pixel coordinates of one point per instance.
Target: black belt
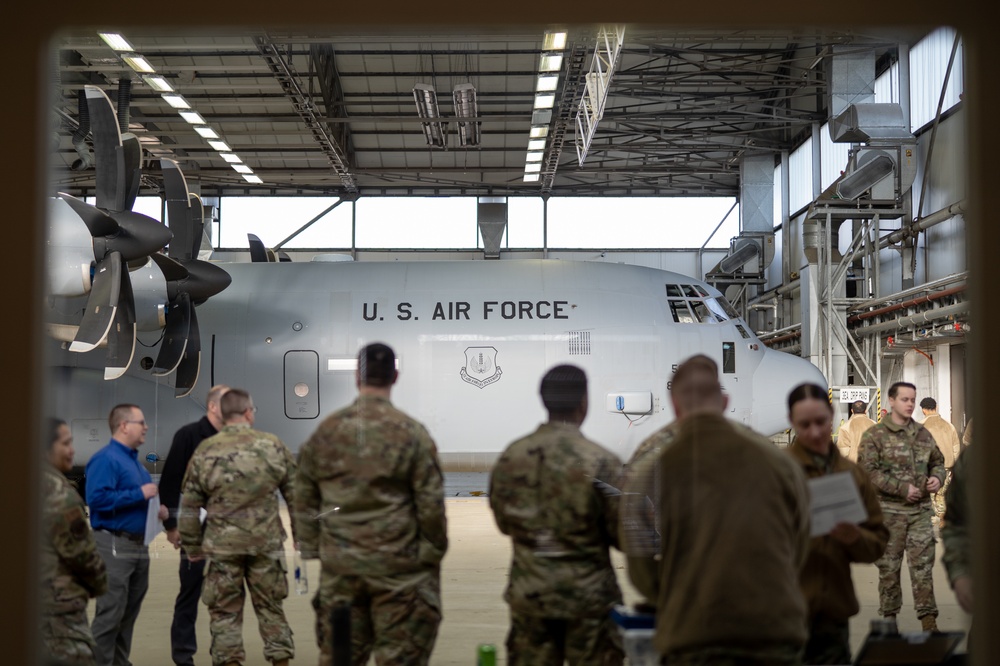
(131, 536)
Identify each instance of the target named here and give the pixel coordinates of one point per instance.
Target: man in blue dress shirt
(118, 493)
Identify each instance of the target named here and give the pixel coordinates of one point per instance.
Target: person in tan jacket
(826, 577)
(946, 437)
(850, 434)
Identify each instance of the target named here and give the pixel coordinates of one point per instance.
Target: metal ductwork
(86, 159)
(885, 166)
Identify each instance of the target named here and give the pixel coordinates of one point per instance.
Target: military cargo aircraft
(473, 338)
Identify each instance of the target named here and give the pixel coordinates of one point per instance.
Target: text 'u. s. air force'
(466, 311)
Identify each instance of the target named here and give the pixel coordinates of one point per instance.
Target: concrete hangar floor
(473, 577)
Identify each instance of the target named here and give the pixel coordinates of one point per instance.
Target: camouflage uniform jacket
(826, 576)
(957, 555)
(233, 475)
(555, 493)
(894, 457)
(945, 436)
(369, 495)
(71, 570)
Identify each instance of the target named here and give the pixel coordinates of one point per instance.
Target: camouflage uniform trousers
(584, 641)
(396, 617)
(910, 533)
(829, 642)
(777, 655)
(66, 640)
(224, 594)
(937, 499)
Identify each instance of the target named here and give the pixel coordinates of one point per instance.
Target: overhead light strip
(546, 85)
(124, 49)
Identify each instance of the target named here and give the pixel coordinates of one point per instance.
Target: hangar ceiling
(334, 112)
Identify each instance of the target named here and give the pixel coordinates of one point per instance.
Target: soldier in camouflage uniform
(555, 493)
(71, 569)
(955, 533)
(369, 503)
(906, 466)
(233, 475)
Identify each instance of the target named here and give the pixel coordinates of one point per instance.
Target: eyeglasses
(139, 422)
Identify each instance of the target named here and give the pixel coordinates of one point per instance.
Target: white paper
(153, 523)
(834, 499)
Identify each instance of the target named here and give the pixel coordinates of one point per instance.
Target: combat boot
(929, 623)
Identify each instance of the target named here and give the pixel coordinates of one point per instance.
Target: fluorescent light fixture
(539, 132)
(252, 179)
(206, 132)
(535, 156)
(464, 97)
(550, 63)
(220, 146)
(532, 168)
(192, 117)
(544, 101)
(232, 158)
(536, 144)
(176, 101)
(138, 63)
(531, 177)
(157, 83)
(242, 168)
(435, 132)
(554, 41)
(547, 83)
(115, 41)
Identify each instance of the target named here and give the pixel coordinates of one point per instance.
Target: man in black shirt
(183, 642)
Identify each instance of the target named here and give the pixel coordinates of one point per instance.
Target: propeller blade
(121, 338)
(284, 256)
(173, 271)
(258, 253)
(101, 304)
(132, 158)
(98, 222)
(109, 155)
(190, 366)
(175, 335)
(178, 210)
(197, 224)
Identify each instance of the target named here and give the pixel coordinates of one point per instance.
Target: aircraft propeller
(120, 237)
(190, 282)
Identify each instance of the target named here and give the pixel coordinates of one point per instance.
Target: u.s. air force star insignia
(481, 367)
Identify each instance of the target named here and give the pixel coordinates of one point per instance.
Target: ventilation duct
(877, 165)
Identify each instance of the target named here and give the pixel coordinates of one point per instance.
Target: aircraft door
(301, 384)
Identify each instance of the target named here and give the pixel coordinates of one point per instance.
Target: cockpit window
(730, 310)
(691, 304)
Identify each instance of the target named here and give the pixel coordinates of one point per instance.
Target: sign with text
(854, 393)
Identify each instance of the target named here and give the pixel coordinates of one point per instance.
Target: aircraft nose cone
(775, 377)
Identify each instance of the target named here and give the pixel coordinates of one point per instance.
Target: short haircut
(859, 407)
(894, 389)
(119, 414)
(928, 403)
(215, 393)
(234, 402)
(377, 365)
(563, 389)
(696, 382)
(53, 425)
(808, 392)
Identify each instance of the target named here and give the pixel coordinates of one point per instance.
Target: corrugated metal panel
(928, 64)
(833, 157)
(800, 176)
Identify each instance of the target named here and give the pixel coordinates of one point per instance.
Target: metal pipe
(920, 224)
(940, 282)
(923, 317)
(905, 304)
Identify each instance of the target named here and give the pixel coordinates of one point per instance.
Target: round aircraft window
(301, 389)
